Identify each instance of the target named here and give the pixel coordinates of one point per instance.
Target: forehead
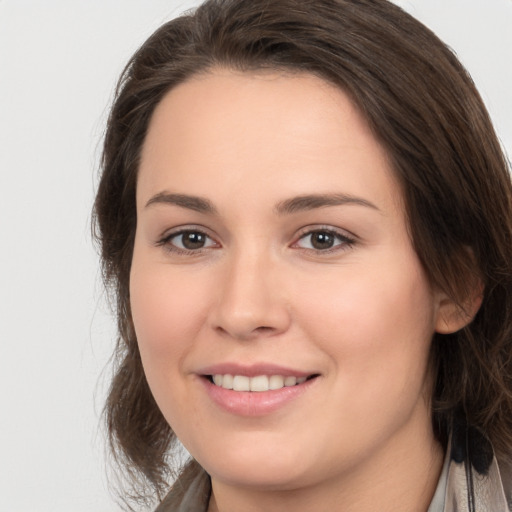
(294, 133)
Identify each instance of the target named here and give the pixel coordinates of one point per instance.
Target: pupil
(322, 240)
(193, 240)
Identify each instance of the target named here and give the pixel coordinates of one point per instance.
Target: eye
(187, 241)
(323, 240)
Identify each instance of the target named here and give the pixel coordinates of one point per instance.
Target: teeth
(241, 383)
(290, 381)
(259, 383)
(227, 381)
(276, 382)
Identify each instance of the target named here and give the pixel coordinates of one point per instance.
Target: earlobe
(452, 317)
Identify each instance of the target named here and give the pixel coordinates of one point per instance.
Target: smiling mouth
(259, 383)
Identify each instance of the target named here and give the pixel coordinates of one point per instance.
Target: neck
(400, 477)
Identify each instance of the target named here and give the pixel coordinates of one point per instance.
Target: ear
(452, 317)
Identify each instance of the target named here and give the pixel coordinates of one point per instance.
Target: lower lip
(254, 403)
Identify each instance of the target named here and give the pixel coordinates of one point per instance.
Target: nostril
(264, 329)
(246, 334)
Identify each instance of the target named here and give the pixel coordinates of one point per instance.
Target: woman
(306, 218)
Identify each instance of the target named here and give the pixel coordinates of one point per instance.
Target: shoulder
(190, 492)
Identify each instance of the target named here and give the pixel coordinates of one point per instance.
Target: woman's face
(272, 248)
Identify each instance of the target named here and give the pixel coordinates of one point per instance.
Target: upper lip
(253, 370)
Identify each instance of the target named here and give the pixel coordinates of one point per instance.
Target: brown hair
(422, 106)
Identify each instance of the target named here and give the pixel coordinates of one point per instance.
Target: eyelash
(345, 241)
(166, 242)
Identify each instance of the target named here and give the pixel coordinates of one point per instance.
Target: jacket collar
(472, 479)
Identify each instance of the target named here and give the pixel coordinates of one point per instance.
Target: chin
(257, 465)
(268, 477)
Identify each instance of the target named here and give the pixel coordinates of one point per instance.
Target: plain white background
(59, 60)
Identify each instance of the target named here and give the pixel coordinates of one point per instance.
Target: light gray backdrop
(59, 60)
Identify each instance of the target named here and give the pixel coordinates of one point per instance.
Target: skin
(360, 314)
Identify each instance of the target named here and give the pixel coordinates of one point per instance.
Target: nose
(251, 301)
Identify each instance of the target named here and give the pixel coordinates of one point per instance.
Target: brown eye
(193, 240)
(189, 241)
(324, 240)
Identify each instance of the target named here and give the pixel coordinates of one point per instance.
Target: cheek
(369, 310)
(376, 326)
(376, 332)
(167, 310)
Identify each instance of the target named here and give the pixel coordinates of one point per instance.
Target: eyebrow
(195, 203)
(313, 201)
(286, 207)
